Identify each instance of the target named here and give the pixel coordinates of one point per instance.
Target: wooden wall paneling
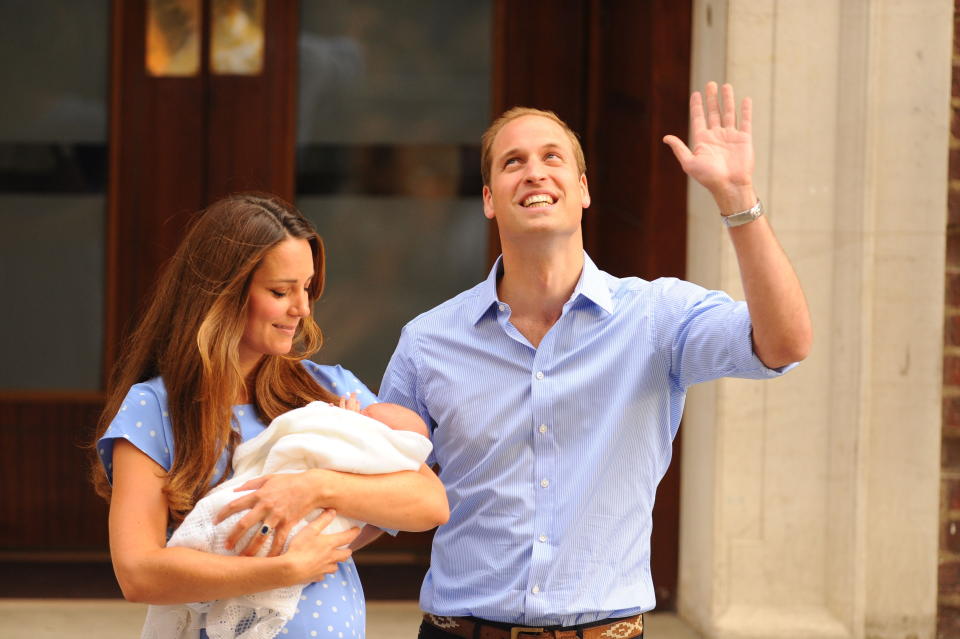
(46, 503)
(253, 119)
(157, 168)
(639, 74)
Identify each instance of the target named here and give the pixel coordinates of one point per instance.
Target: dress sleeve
(340, 382)
(707, 334)
(144, 422)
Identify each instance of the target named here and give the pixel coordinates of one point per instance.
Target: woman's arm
(149, 572)
(406, 500)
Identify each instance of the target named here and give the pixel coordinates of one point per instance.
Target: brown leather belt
(471, 628)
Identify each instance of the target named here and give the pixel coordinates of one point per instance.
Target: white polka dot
(143, 394)
(334, 608)
(240, 413)
(329, 628)
(143, 402)
(346, 623)
(166, 414)
(340, 634)
(329, 576)
(166, 450)
(124, 407)
(101, 451)
(334, 384)
(313, 633)
(325, 586)
(316, 615)
(125, 436)
(319, 603)
(153, 433)
(343, 583)
(138, 424)
(344, 597)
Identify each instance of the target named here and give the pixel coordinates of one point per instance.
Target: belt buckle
(516, 630)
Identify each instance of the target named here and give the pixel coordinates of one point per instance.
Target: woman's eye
(278, 293)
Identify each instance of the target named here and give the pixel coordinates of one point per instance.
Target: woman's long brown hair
(190, 335)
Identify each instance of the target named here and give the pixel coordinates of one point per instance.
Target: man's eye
(511, 161)
(552, 156)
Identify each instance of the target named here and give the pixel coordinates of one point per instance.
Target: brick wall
(948, 613)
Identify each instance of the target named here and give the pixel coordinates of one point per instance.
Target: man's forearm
(407, 500)
(782, 333)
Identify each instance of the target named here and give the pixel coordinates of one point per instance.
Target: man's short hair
(486, 142)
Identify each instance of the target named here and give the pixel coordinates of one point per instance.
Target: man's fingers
(729, 114)
(713, 109)
(680, 150)
(697, 121)
(746, 115)
(279, 540)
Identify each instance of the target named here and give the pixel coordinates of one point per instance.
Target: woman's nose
(301, 305)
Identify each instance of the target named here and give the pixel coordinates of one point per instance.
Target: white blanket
(316, 436)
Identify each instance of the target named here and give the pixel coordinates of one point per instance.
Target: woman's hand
(278, 501)
(317, 554)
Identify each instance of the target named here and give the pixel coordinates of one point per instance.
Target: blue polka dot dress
(332, 608)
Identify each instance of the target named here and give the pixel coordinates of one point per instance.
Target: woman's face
(277, 301)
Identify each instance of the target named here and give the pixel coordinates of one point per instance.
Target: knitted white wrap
(316, 436)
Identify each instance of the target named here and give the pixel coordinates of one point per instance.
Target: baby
(381, 438)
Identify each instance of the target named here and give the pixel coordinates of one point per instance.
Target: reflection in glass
(173, 37)
(236, 43)
(393, 100)
(53, 167)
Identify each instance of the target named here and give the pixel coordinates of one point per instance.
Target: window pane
(393, 100)
(53, 163)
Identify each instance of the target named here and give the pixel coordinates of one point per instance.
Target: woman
(220, 351)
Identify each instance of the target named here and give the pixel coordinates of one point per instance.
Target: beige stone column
(810, 503)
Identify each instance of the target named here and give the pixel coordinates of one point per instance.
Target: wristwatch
(743, 217)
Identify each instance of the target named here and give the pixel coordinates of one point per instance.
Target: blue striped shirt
(551, 455)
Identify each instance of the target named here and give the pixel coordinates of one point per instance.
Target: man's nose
(535, 171)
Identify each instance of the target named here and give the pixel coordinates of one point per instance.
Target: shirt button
(536, 590)
(502, 307)
(539, 375)
(543, 428)
(544, 483)
(543, 539)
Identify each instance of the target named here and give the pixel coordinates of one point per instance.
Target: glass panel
(53, 167)
(236, 42)
(173, 37)
(393, 100)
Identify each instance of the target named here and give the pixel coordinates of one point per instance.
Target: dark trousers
(428, 631)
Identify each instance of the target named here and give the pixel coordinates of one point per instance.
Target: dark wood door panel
(47, 502)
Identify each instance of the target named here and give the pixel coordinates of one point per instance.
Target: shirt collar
(591, 285)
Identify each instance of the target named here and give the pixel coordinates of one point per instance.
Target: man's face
(535, 186)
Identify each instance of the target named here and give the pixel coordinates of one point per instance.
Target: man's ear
(584, 191)
(488, 203)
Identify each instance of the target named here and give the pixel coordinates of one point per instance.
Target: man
(553, 390)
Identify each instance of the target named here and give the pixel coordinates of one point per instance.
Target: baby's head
(396, 417)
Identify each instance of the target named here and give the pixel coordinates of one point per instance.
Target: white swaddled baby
(318, 435)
